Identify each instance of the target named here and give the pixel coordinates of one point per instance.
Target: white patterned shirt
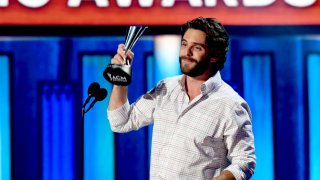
(192, 140)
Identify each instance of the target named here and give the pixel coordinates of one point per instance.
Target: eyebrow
(201, 44)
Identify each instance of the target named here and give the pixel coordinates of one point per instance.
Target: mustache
(188, 58)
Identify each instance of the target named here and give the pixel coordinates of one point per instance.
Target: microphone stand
(83, 137)
(82, 113)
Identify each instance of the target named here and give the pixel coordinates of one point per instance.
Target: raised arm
(122, 116)
(119, 94)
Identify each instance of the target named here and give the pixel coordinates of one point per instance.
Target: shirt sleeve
(132, 117)
(240, 143)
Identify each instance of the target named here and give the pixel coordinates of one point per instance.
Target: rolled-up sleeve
(240, 143)
(119, 117)
(132, 117)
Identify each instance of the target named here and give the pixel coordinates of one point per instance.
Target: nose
(189, 51)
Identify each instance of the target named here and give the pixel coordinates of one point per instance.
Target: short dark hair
(217, 38)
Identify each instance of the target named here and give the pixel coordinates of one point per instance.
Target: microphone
(93, 90)
(102, 94)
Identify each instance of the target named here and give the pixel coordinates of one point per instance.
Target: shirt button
(203, 88)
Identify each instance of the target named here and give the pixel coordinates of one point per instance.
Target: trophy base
(118, 74)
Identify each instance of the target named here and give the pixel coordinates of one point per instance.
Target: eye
(183, 43)
(198, 48)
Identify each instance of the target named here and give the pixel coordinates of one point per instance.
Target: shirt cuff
(236, 171)
(119, 116)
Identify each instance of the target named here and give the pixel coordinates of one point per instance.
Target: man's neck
(193, 85)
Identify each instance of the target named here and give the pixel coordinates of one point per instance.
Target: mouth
(188, 60)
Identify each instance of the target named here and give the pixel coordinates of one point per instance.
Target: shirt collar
(182, 82)
(211, 84)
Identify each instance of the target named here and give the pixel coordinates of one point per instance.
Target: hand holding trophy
(120, 74)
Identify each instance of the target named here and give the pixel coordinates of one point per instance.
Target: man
(202, 127)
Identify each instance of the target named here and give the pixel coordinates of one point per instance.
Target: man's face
(194, 59)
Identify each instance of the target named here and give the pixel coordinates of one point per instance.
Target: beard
(198, 69)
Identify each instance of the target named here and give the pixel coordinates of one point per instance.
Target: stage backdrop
(44, 82)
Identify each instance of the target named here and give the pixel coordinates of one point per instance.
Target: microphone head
(102, 94)
(94, 89)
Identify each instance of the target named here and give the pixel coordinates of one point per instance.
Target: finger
(117, 59)
(130, 56)
(121, 51)
(122, 46)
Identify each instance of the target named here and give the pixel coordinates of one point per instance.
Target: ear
(213, 60)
